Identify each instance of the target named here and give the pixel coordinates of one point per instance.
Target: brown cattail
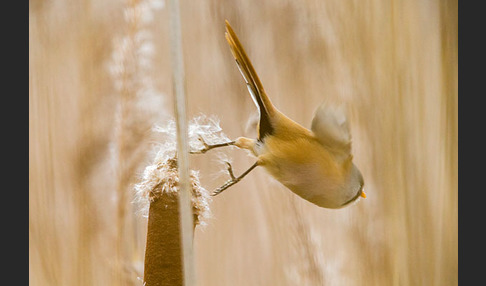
(158, 193)
(163, 260)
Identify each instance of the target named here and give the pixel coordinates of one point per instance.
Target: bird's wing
(255, 87)
(331, 128)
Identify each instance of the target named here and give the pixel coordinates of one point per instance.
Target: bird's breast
(308, 169)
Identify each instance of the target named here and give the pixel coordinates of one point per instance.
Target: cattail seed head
(162, 177)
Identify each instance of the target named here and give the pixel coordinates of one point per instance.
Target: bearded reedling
(315, 164)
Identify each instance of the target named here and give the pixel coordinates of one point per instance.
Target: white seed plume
(162, 176)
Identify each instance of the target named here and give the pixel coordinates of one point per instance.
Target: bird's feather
(253, 83)
(331, 128)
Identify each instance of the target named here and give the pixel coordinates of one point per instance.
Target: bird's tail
(255, 87)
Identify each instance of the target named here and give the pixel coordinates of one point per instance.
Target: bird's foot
(208, 147)
(234, 179)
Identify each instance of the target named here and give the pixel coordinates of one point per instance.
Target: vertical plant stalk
(185, 214)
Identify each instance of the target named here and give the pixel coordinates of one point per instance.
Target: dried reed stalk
(186, 220)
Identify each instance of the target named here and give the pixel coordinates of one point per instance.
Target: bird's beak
(363, 194)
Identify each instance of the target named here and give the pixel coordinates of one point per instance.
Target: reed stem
(185, 214)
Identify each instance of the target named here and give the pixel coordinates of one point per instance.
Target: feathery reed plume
(91, 150)
(140, 105)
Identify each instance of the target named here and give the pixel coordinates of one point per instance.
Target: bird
(314, 164)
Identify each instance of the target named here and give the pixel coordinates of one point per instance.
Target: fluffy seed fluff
(162, 175)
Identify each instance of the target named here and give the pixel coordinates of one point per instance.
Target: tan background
(393, 62)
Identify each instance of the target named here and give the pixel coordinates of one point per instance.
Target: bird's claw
(208, 147)
(229, 183)
(230, 170)
(205, 149)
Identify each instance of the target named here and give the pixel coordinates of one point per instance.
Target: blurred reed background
(99, 78)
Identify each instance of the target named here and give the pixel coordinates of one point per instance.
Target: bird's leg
(245, 143)
(208, 147)
(234, 179)
(240, 142)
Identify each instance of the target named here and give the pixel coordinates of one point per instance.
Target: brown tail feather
(253, 83)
